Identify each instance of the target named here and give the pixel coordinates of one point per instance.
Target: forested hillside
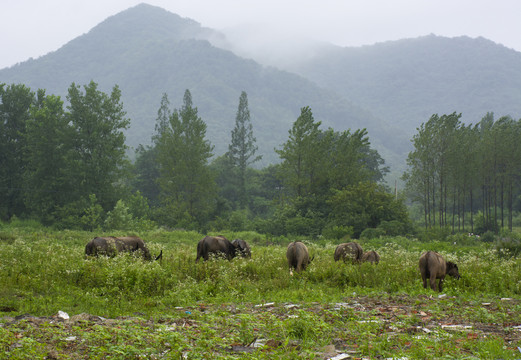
(148, 51)
(407, 81)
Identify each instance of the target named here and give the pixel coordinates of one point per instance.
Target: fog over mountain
(389, 88)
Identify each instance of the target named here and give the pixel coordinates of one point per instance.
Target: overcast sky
(32, 28)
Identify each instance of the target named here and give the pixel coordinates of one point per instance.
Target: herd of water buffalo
(432, 265)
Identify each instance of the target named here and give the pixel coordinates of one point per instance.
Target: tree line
(66, 166)
(466, 177)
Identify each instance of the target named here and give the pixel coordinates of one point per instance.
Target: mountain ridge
(149, 51)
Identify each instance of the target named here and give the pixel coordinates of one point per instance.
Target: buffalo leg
(424, 278)
(432, 281)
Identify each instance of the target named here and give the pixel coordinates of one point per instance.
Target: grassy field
(126, 308)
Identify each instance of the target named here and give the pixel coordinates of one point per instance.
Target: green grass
(177, 308)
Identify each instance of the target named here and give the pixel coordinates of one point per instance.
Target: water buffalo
(218, 245)
(111, 246)
(433, 266)
(351, 250)
(298, 256)
(242, 248)
(371, 256)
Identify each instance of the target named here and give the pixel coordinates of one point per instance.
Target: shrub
(119, 218)
(481, 225)
(337, 232)
(434, 234)
(393, 227)
(508, 247)
(372, 233)
(488, 236)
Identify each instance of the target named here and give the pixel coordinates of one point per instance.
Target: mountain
(407, 81)
(389, 88)
(148, 51)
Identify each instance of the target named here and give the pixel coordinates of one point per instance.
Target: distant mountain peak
(149, 21)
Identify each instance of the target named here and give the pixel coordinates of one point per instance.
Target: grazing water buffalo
(433, 266)
(351, 250)
(371, 256)
(218, 245)
(111, 246)
(242, 248)
(298, 256)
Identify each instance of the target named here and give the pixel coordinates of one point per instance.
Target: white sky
(32, 28)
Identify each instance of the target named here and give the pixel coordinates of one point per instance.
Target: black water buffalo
(433, 266)
(298, 256)
(371, 256)
(242, 248)
(218, 245)
(111, 246)
(351, 250)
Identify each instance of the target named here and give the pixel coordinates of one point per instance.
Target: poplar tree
(97, 159)
(48, 143)
(241, 151)
(187, 185)
(15, 106)
(299, 154)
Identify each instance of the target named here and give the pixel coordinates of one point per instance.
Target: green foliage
(187, 185)
(48, 145)
(372, 233)
(15, 106)
(454, 168)
(433, 234)
(301, 155)
(151, 304)
(119, 218)
(337, 232)
(367, 205)
(242, 149)
(92, 218)
(483, 225)
(508, 246)
(97, 157)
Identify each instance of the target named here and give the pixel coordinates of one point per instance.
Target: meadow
(126, 308)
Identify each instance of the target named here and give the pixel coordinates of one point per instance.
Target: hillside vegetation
(407, 81)
(163, 53)
(388, 88)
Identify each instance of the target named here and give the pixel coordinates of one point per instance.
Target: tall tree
(242, 149)
(15, 106)
(48, 142)
(98, 158)
(187, 185)
(147, 164)
(300, 154)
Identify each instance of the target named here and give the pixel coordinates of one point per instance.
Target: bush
(393, 227)
(372, 233)
(337, 232)
(481, 226)
(508, 247)
(239, 220)
(119, 218)
(434, 234)
(488, 236)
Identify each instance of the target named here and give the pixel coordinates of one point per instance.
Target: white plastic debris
(340, 357)
(63, 315)
(456, 327)
(265, 305)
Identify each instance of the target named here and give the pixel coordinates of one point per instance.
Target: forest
(67, 166)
